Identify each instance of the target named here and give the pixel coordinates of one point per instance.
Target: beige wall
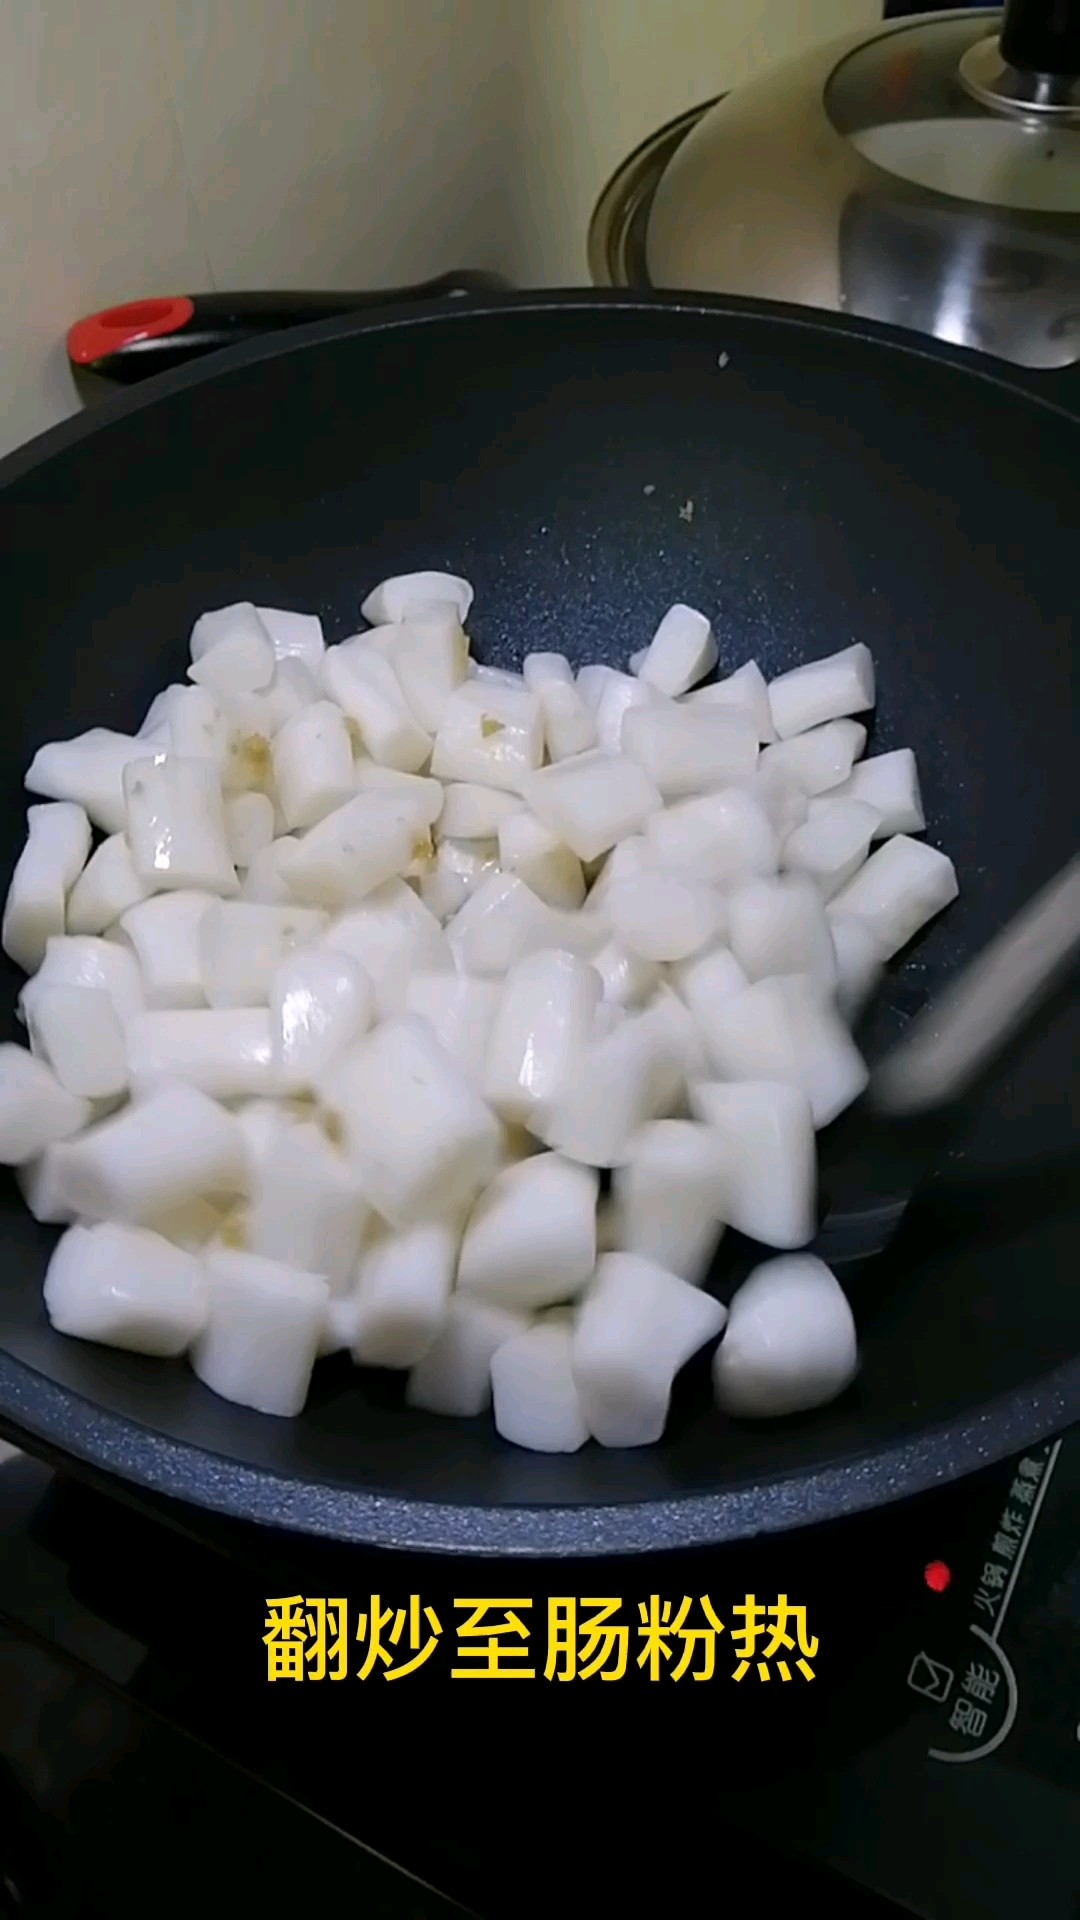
(193, 143)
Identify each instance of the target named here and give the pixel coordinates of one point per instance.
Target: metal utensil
(893, 1135)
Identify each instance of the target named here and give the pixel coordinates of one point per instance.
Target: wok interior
(585, 468)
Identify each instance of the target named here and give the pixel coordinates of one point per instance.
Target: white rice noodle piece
(670, 1197)
(107, 886)
(240, 661)
(351, 852)
(591, 802)
(313, 764)
(528, 848)
(423, 797)
(779, 926)
(708, 979)
(819, 760)
(618, 695)
(35, 1110)
(242, 944)
(407, 596)
(260, 1122)
(536, 1403)
(833, 842)
(422, 1140)
(625, 1077)
(294, 636)
(176, 825)
(392, 935)
(430, 657)
(902, 886)
(57, 843)
(546, 670)
(569, 723)
(472, 812)
(306, 1206)
(459, 1010)
(155, 722)
(790, 1341)
(251, 717)
(607, 1017)
(198, 727)
(151, 1158)
(637, 1327)
(403, 1292)
(671, 1011)
(723, 837)
(454, 1375)
(665, 916)
(626, 979)
(591, 680)
(496, 676)
(321, 1003)
(858, 962)
(225, 1052)
(249, 829)
(264, 882)
(630, 857)
(126, 1288)
(42, 1190)
(106, 966)
(248, 763)
(238, 621)
(367, 689)
(491, 734)
(262, 1333)
(822, 690)
(776, 789)
(501, 921)
(766, 1132)
(888, 782)
(540, 1029)
(687, 750)
(164, 932)
(339, 1324)
(76, 1030)
(785, 1028)
(191, 1227)
(530, 1241)
(747, 690)
(681, 652)
(452, 872)
(89, 771)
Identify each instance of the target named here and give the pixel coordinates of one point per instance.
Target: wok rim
(39, 1415)
(1030, 385)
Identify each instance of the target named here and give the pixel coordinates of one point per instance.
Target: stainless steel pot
(928, 176)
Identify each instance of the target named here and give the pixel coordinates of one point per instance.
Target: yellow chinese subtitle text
(558, 1639)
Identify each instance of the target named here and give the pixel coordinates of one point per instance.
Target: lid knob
(1042, 36)
(1033, 70)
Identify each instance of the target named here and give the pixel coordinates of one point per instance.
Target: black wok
(586, 459)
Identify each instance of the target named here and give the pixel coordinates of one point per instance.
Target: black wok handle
(1042, 36)
(122, 345)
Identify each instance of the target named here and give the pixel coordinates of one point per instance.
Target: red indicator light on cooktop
(937, 1576)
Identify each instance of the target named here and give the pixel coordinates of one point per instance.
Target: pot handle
(122, 345)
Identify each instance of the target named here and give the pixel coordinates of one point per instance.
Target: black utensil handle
(1042, 36)
(125, 344)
